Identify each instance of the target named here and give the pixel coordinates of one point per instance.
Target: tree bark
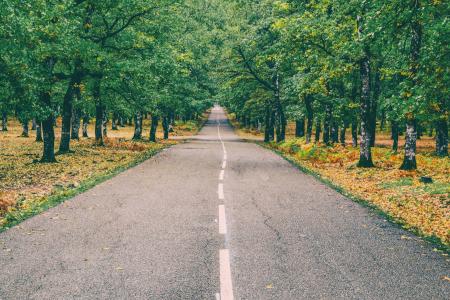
(25, 129)
(269, 133)
(300, 128)
(105, 122)
(153, 128)
(74, 85)
(138, 126)
(365, 153)
(4, 121)
(76, 119)
(442, 138)
(342, 134)
(327, 125)
(334, 132)
(318, 129)
(374, 107)
(99, 123)
(281, 117)
(365, 157)
(165, 123)
(114, 121)
(99, 111)
(394, 135)
(85, 125)
(409, 161)
(383, 120)
(33, 124)
(48, 155)
(354, 132)
(309, 117)
(39, 132)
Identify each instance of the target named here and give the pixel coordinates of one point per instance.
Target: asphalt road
(216, 218)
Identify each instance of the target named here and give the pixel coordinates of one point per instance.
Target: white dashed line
(222, 220)
(220, 192)
(226, 287)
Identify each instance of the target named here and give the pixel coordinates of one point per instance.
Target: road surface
(216, 218)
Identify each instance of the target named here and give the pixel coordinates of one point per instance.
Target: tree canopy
(327, 65)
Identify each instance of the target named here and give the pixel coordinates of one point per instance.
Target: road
(216, 218)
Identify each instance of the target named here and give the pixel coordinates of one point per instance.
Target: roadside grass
(398, 195)
(28, 187)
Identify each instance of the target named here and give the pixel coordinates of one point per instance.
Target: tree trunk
(374, 107)
(138, 126)
(409, 161)
(25, 129)
(153, 128)
(309, 117)
(354, 133)
(300, 128)
(39, 132)
(327, 125)
(33, 124)
(334, 132)
(165, 123)
(272, 125)
(76, 119)
(67, 111)
(4, 121)
(442, 138)
(383, 120)
(394, 135)
(318, 129)
(48, 154)
(114, 121)
(342, 134)
(85, 125)
(365, 157)
(99, 123)
(269, 133)
(281, 117)
(267, 125)
(121, 122)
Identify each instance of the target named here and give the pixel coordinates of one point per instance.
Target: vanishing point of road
(216, 218)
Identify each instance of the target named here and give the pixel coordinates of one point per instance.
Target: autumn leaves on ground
(422, 207)
(28, 187)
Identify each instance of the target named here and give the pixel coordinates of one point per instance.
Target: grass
(28, 187)
(397, 195)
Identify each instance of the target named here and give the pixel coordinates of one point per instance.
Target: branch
(253, 73)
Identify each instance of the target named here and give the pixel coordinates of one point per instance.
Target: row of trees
(117, 60)
(339, 65)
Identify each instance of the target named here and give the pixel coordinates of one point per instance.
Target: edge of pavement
(432, 240)
(58, 197)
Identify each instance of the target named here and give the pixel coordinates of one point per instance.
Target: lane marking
(224, 164)
(222, 174)
(226, 287)
(224, 156)
(222, 220)
(220, 192)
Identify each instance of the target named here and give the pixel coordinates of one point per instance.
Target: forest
(333, 66)
(338, 73)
